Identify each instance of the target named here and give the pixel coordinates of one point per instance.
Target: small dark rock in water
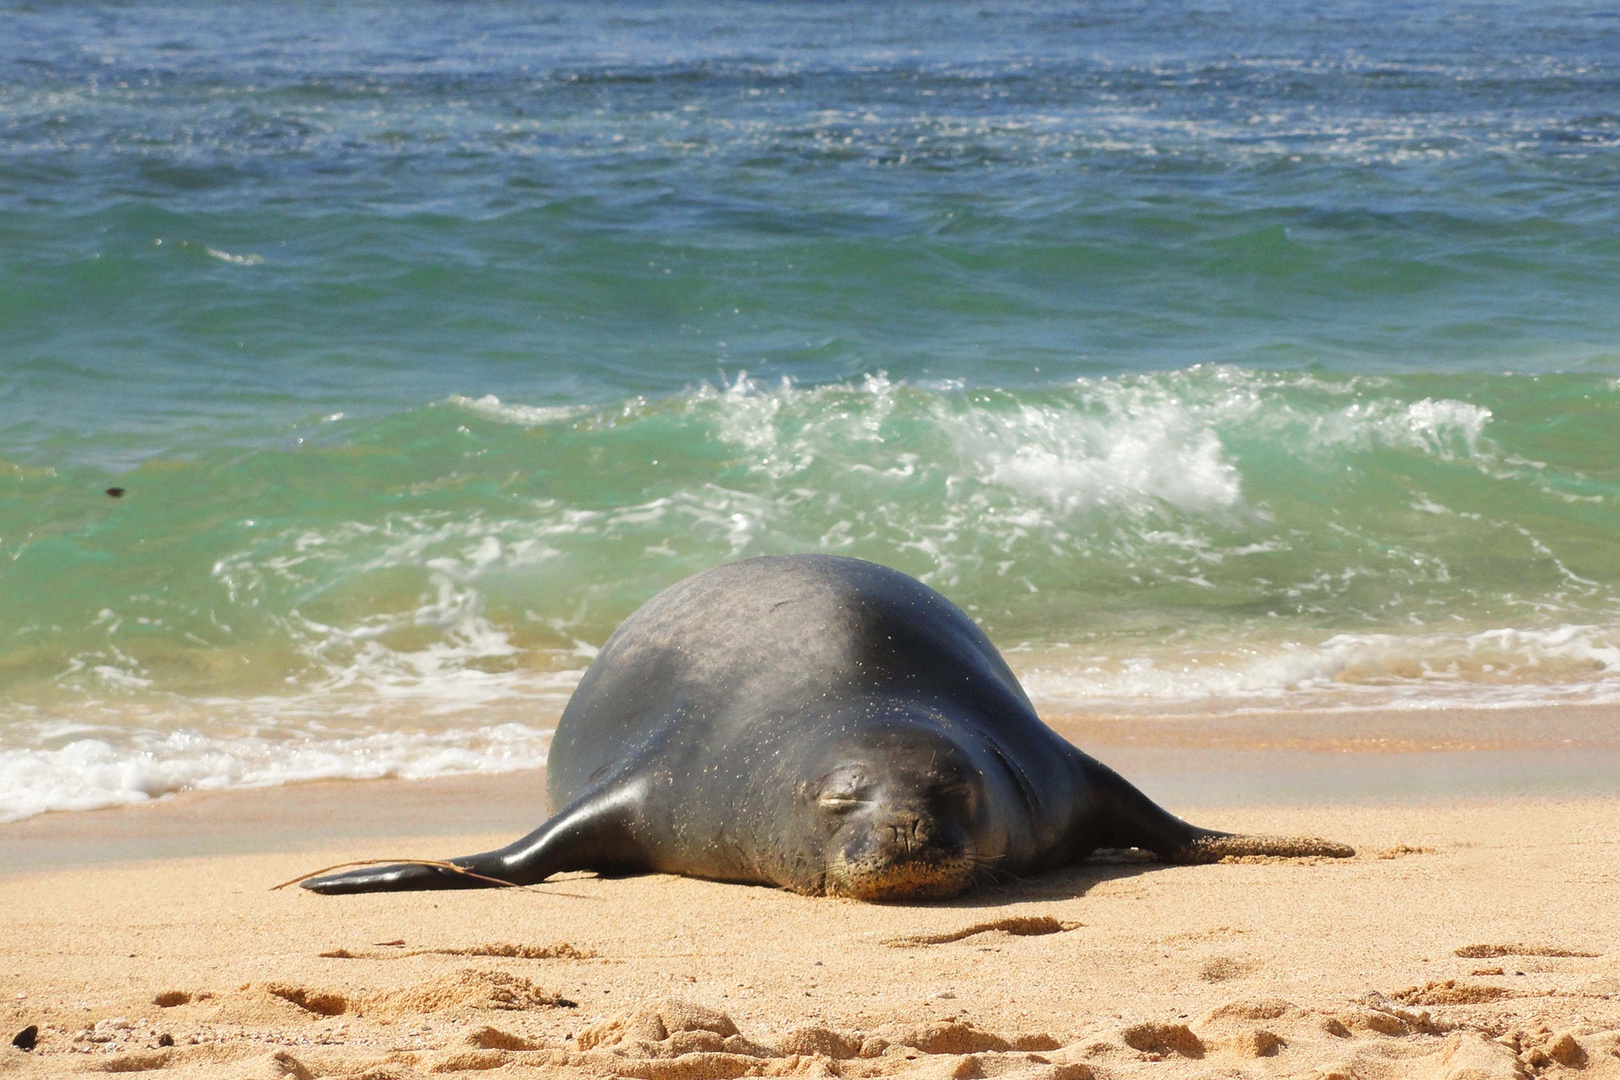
(27, 1038)
(165, 1040)
(116, 492)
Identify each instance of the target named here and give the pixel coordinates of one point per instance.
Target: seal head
(899, 817)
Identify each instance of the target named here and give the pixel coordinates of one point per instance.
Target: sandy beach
(1473, 935)
(780, 382)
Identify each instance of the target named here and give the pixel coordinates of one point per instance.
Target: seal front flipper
(1134, 820)
(595, 832)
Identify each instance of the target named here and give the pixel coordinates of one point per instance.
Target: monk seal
(823, 724)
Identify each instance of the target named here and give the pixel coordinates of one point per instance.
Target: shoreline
(1348, 728)
(1472, 935)
(1188, 763)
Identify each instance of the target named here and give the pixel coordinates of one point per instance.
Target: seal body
(819, 723)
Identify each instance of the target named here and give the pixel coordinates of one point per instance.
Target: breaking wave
(1214, 534)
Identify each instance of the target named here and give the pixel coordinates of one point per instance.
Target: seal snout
(905, 854)
(897, 814)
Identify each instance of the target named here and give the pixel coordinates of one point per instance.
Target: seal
(823, 724)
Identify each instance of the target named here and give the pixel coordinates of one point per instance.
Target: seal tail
(592, 833)
(1137, 821)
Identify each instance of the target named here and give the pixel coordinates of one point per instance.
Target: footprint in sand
(1225, 968)
(504, 950)
(559, 951)
(1451, 992)
(468, 988)
(1015, 925)
(1401, 851)
(1486, 952)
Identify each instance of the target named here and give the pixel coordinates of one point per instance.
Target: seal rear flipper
(1123, 817)
(592, 833)
(1211, 846)
(1131, 819)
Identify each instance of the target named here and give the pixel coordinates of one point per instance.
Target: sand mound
(488, 1038)
(1468, 1055)
(278, 1066)
(704, 1042)
(1451, 992)
(471, 988)
(1256, 1043)
(820, 1040)
(310, 999)
(670, 1028)
(675, 1039)
(1270, 1009)
(1163, 1039)
(949, 1037)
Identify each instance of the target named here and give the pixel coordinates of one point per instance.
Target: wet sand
(1473, 935)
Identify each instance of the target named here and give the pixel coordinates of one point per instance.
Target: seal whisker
(985, 870)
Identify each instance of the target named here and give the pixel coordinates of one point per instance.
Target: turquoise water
(1225, 355)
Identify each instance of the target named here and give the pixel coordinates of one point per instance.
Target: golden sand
(1469, 937)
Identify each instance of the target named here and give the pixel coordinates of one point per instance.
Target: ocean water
(1229, 355)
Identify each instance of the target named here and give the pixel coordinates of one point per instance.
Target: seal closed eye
(827, 725)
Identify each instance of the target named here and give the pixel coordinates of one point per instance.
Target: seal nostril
(910, 834)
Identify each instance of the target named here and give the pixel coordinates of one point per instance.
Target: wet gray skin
(821, 724)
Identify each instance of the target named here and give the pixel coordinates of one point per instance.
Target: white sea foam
(395, 643)
(491, 407)
(1131, 443)
(249, 259)
(1124, 447)
(1504, 666)
(1445, 429)
(111, 767)
(445, 651)
(381, 730)
(1156, 452)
